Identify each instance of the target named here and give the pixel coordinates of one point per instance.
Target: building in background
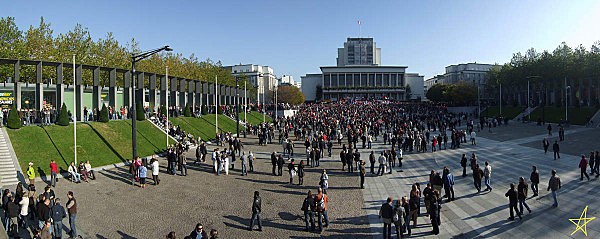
(472, 73)
(360, 75)
(261, 77)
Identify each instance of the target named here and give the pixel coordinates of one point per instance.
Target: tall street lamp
(135, 58)
(528, 97)
(237, 107)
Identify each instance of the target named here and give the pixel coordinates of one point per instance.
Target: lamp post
(276, 88)
(528, 97)
(567, 87)
(237, 107)
(135, 58)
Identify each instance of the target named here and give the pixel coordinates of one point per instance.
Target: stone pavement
(484, 215)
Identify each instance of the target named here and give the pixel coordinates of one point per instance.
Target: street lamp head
(167, 48)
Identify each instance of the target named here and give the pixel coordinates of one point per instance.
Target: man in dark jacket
(535, 180)
(274, 162)
(13, 213)
(434, 214)
(280, 162)
(372, 161)
(477, 174)
(386, 212)
(256, 209)
(308, 206)
(512, 202)
(58, 213)
(556, 150)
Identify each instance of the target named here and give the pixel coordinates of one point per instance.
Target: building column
(78, 92)
(127, 89)
(182, 93)
(152, 93)
(96, 92)
(140, 96)
(198, 94)
(39, 90)
(17, 86)
(112, 89)
(60, 87)
(163, 91)
(173, 95)
(191, 99)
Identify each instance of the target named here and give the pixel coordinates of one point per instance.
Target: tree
(103, 117)
(139, 111)
(436, 92)
(63, 116)
(14, 121)
(186, 111)
(290, 95)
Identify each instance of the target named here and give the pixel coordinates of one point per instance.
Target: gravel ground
(110, 207)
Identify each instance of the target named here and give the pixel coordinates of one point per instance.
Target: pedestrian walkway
(8, 169)
(484, 215)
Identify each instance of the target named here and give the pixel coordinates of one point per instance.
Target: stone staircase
(161, 130)
(525, 113)
(8, 161)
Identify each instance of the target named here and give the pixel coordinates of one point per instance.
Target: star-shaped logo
(582, 222)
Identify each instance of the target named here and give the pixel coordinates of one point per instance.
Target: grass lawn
(578, 116)
(225, 123)
(254, 117)
(195, 126)
(509, 112)
(101, 143)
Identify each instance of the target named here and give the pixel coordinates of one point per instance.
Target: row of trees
(458, 94)
(40, 43)
(564, 61)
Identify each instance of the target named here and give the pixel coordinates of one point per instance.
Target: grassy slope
(100, 143)
(255, 118)
(225, 123)
(195, 126)
(578, 116)
(507, 111)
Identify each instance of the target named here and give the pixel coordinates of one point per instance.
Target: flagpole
(167, 103)
(74, 114)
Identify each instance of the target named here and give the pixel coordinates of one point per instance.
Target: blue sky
(296, 37)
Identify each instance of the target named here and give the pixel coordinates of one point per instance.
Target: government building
(360, 75)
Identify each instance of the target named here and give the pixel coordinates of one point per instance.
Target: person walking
(522, 195)
(415, 204)
(251, 161)
(535, 180)
(583, 163)
(463, 164)
(324, 181)
(554, 185)
(256, 209)
(406, 207)
(53, 173)
(382, 163)
(386, 213)
(487, 174)
(597, 164)
(372, 161)
(292, 170)
(556, 149)
(142, 173)
(31, 173)
(545, 144)
(308, 207)
(301, 172)
(58, 214)
(363, 173)
(477, 175)
(512, 202)
(244, 159)
(72, 210)
(322, 201)
(398, 219)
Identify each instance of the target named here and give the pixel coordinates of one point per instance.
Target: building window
(363, 79)
(342, 80)
(378, 80)
(356, 79)
(327, 81)
(393, 79)
(371, 80)
(386, 79)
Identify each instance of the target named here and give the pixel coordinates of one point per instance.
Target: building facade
(472, 73)
(359, 75)
(261, 77)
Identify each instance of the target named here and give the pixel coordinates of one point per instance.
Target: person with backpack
(309, 208)
(322, 200)
(386, 213)
(57, 214)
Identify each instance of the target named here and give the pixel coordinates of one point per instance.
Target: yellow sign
(582, 222)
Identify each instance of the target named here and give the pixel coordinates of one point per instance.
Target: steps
(525, 113)
(8, 171)
(161, 130)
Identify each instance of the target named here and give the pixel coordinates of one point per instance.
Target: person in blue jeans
(72, 210)
(58, 213)
(322, 200)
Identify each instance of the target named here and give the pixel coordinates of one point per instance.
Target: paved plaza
(111, 207)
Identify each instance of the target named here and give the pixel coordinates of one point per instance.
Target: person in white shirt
(73, 172)
(24, 203)
(473, 134)
(215, 159)
(88, 168)
(382, 164)
(155, 169)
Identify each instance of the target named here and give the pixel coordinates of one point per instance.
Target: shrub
(103, 117)
(63, 116)
(186, 111)
(139, 111)
(14, 121)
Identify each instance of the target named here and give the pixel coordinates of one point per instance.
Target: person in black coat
(512, 202)
(308, 207)
(463, 164)
(274, 162)
(434, 214)
(256, 209)
(199, 230)
(535, 180)
(280, 162)
(386, 213)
